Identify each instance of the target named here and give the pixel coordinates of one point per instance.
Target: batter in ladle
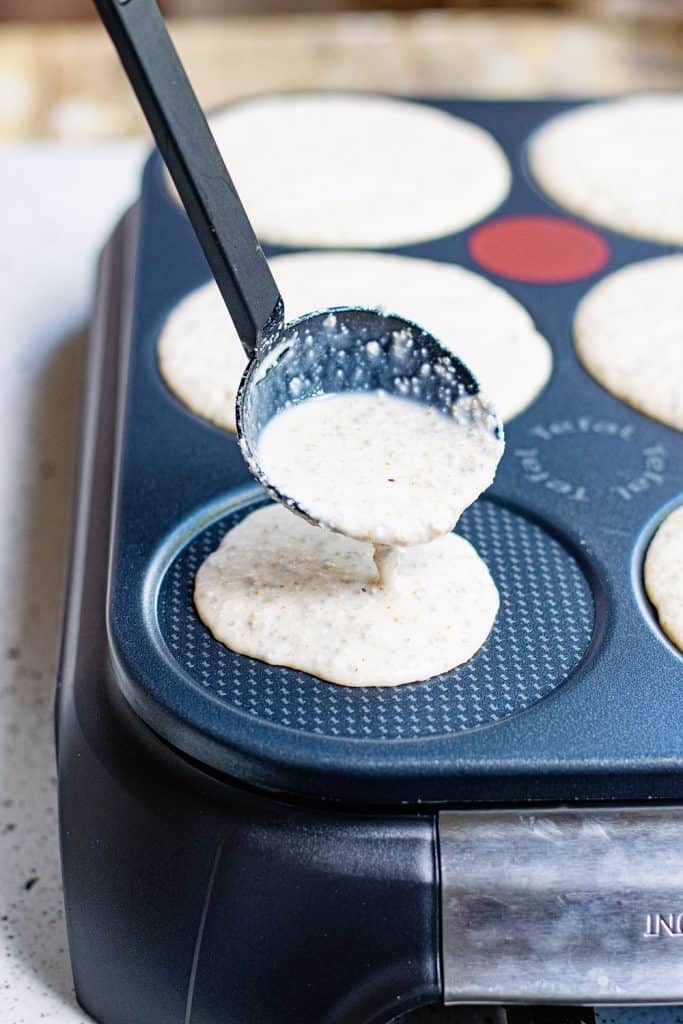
(381, 468)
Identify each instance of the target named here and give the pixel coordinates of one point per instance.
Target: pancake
(617, 163)
(201, 359)
(664, 575)
(629, 335)
(358, 170)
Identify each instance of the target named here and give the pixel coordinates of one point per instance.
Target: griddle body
(224, 867)
(190, 899)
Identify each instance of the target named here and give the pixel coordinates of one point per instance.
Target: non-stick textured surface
(542, 629)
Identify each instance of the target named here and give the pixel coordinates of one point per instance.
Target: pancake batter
(288, 593)
(335, 169)
(617, 163)
(629, 337)
(664, 575)
(201, 359)
(381, 468)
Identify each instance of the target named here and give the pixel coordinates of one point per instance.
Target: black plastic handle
(158, 77)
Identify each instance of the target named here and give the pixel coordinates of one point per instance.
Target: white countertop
(59, 204)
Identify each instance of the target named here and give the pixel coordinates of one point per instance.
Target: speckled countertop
(58, 206)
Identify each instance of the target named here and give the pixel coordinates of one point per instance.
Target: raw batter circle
(617, 163)
(627, 331)
(333, 170)
(288, 593)
(663, 575)
(201, 359)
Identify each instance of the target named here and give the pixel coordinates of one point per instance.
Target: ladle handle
(158, 77)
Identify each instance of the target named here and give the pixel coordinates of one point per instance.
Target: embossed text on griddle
(535, 472)
(652, 475)
(635, 466)
(663, 926)
(583, 425)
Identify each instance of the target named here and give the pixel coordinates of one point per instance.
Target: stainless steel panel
(562, 906)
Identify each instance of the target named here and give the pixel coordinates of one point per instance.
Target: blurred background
(48, 9)
(59, 77)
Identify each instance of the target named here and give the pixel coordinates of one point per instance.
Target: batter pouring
(370, 467)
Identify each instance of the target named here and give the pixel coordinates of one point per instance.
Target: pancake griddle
(573, 695)
(243, 843)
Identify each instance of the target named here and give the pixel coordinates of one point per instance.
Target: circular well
(543, 628)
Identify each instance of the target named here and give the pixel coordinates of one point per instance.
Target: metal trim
(581, 906)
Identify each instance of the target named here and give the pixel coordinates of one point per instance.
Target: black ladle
(343, 349)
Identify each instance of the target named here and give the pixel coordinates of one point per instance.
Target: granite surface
(58, 206)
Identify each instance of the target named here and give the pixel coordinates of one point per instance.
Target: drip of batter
(380, 468)
(386, 562)
(285, 592)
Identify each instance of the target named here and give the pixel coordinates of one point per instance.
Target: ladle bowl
(336, 350)
(345, 349)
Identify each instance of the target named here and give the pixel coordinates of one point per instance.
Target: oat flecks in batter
(201, 359)
(629, 336)
(617, 163)
(354, 170)
(664, 575)
(381, 468)
(285, 592)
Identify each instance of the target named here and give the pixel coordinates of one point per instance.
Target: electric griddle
(245, 844)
